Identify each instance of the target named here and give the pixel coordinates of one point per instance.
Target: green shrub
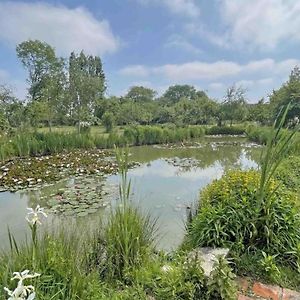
(108, 121)
(289, 173)
(229, 216)
(225, 130)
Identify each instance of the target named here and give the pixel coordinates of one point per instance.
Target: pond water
(165, 183)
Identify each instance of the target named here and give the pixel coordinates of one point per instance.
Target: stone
(267, 291)
(290, 295)
(243, 284)
(207, 257)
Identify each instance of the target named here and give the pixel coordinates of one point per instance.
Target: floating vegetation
(81, 196)
(183, 163)
(31, 172)
(213, 144)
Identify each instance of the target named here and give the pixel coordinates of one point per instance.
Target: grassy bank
(39, 143)
(261, 135)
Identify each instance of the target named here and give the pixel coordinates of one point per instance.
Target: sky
(157, 43)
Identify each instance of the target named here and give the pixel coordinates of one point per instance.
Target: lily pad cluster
(183, 163)
(80, 196)
(23, 173)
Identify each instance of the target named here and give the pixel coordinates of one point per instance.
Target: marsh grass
(130, 234)
(61, 258)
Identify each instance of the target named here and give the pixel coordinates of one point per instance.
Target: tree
(46, 75)
(288, 92)
(86, 85)
(108, 121)
(39, 59)
(11, 109)
(176, 92)
(141, 94)
(234, 104)
(37, 112)
(260, 112)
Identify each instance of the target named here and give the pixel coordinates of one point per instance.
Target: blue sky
(156, 43)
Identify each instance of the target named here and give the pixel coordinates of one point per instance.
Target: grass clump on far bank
(225, 130)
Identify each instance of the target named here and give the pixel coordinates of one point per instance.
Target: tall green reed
(129, 235)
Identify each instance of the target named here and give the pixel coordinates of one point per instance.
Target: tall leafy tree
(289, 92)
(234, 105)
(86, 85)
(141, 94)
(176, 92)
(45, 74)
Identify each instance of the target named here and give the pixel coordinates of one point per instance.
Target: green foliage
(228, 217)
(129, 234)
(268, 263)
(147, 135)
(225, 130)
(289, 92)
(221, 283)
(108, 121)
(87, 84)
(140, 94)
(251, 212)
(129, 241)
(289, 173)
(177, 92)
(234, 105)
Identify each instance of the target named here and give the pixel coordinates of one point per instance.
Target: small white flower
(33, 215)
(166, 268)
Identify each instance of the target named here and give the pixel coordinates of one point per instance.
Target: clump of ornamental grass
(129, 235)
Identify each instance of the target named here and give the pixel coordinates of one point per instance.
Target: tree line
(71, 91)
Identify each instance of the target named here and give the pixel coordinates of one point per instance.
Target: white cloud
(245, 83)
(217, 86)
(265, 81)
(64, 28)
(198, 29)
(177, 41)
(186, 8)
(135, 70)
(199, 70)
(261, 23)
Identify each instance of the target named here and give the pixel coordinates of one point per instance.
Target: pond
(165, 183)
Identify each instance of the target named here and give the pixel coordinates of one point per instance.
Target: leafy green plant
(221, 284)
(268, 263)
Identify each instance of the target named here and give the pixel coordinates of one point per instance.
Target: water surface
(164, 185)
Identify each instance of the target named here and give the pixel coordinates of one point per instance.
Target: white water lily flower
(33, 216)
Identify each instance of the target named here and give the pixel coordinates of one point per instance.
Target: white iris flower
(33, 215)
(22, 292)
